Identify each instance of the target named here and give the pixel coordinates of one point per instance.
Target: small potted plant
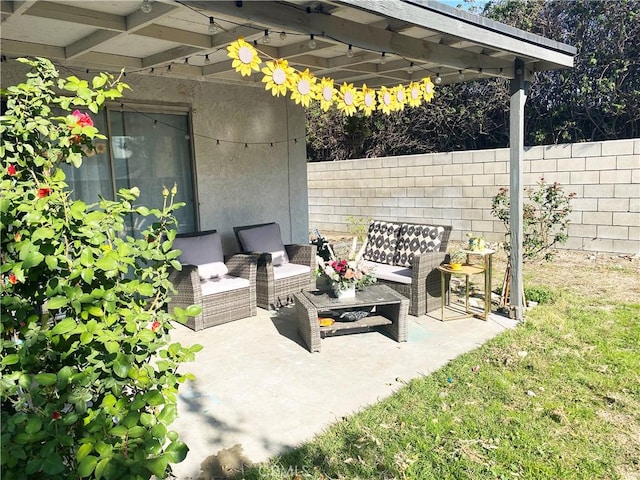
(476, 242)
(456, 259)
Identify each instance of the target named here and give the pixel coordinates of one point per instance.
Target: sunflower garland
(304, 87)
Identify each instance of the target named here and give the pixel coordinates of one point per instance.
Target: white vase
(345, 293)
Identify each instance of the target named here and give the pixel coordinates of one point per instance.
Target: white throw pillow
(207, 271)
(266, 238)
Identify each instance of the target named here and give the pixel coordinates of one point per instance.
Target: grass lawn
(556, 398)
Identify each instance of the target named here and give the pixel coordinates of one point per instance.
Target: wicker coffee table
(389, 314)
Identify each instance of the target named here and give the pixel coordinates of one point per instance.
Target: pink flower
(43, 192)
(56, 415)
(82, 119)
(155, 325)
(11, 170)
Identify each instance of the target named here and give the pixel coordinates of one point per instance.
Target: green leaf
(121, 366)
(177, 451)
(32, 259)
(87, 466)
(118, 431)
(65, 326)
(87, 275)
(84, 450)
(51, 261)
(145, 289)
(108, 262)
(55, 303)
(53, 464)
(10, 359)
(34, 424)
(193, 310)
(157, 466)
(168, 414)
(42, 234)
(100, 468)
(45, 379)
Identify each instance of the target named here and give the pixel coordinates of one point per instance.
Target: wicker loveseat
(224, 287)
(405, 257)
(282, 269)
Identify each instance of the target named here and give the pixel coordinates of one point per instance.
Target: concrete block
(452, 192)
(374, 202)
(573, 243)
(442, 203)
(628, 161)
(454, 169)
(597, 191)
(557, 151)
(635, 176)
(442, 159)
(382, 173)
(494, 167)
(613, 204)
(460, 226)
(398, 212)
(636, 146)
(631, 190)
(482, 156)
(462, 180)
(629, 219)
(543, 165)
(383, 192)
(634, 233)
(360, 202)
(472, 214)
(433, 192)
(432, 171)
(385, 182)
(415, 171)
(416, 214)
(460, 202)
(390, 162)
(601, 163)
(575, 217)
(617, 147)
(597, 218)
(615, 176)
(571, 164)
(483, 180)
(452, 213)
(533, 153)
(608, 231)
(585, 204)
(481, 226)
(406, 202)
(503, 155)
(415, 192)
(442, 181)
(591, 149)
(634, 204)
(424, 202)
(472, 168)
(347, 202)
(461, 157)
(597, 244)
(582, 230)
(424, 181)
(410, 161)
(372, 163)
(406, 181)
(501, 179)
(399, 172)
(585, 178)
(626, 246)
(563, 178)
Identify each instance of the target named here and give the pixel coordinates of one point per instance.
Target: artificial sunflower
(385, 100)
(302, 87)
(414, 94)
(245, 57)
(277, 76)
(325, 93)
(347, 100)
(367, 100)
(399, 97)
(427, 86)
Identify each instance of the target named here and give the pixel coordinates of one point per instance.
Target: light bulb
(383, 59)
(350, 52)
(460, 75)
(410, 69)
(213, 28)
(312, 42)
(207, 61)
(438, 79)
(186, 60)
(266, 39)
(283, 35)
(145, 6)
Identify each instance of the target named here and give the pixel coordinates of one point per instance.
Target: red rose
(82, 119)
(155, 325)
(13, 279)
(56, 415)
(11, 170)
(43, 192)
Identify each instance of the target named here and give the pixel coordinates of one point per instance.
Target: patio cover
(390, 42)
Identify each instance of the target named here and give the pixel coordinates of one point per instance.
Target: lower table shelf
(362, 325)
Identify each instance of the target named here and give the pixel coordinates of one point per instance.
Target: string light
(145, 6)
(207, 60)
(266, 39)
(350, 52)
(383, 59)
(410, 69)
(312, 42)
(186, 60)
(283, 35)
(438, 79)
(213, 28)
(460, 75)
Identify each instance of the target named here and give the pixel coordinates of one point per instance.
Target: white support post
(519, 90)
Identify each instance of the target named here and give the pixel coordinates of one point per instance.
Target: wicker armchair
(225, 288)
(282, 269)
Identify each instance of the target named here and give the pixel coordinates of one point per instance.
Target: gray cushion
(266, 238)
(203, 250)
(207, 271)
(381, 242)
(416, 240)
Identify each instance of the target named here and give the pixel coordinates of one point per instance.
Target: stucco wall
(236, 184)
(456, 189)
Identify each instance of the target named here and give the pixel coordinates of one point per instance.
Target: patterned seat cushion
(381, 242)
(416, 240)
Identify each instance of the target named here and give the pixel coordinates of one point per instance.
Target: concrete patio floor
(259, 391)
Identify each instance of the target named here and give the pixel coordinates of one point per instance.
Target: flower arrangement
(346, 273)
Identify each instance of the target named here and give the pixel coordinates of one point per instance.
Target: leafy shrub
(540, 295)
(89, 376)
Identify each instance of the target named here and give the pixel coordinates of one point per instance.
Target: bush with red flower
(89, 375)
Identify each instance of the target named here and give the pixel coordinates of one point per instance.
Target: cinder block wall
(456, 189)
